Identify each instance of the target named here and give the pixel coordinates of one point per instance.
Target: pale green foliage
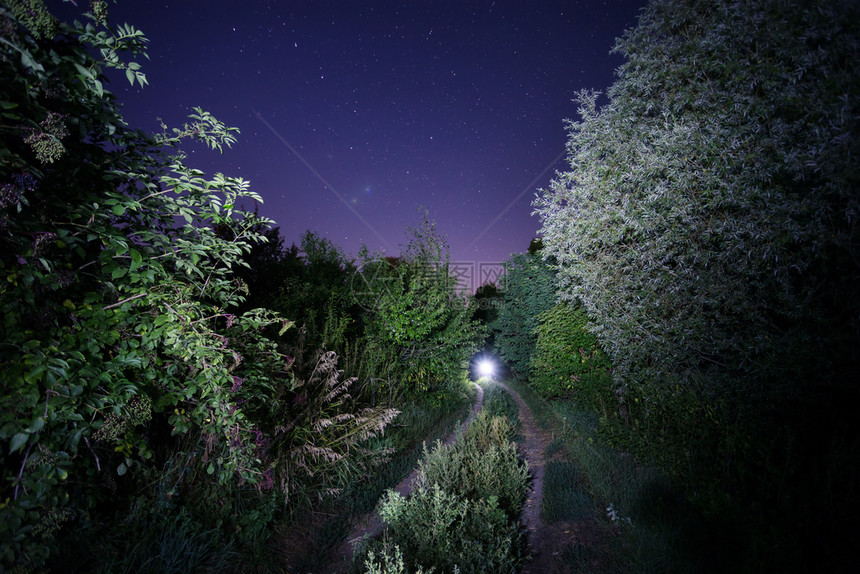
(463, 512)
(390, 562)
(710, 206)
(448, 531)
(482, 464)
(708, 226)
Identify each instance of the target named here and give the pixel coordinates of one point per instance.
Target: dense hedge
(568, 360)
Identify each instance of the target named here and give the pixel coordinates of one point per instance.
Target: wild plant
(325, 442)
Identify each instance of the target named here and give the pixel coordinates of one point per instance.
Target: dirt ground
(548, 541)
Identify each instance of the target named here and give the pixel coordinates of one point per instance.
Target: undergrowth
(658, 529)
(499, 403)
(463, 513)
(565, 497)
(422, 419)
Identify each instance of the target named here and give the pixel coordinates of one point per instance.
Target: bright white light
(486, 368)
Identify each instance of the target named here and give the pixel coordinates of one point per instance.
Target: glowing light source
(486, 368)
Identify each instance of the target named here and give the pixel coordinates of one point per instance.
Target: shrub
(450, 531)
(568, 360)
(390, 561)
(499, 403)
(463, 514)
(481, 465)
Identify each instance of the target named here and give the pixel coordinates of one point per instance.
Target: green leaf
(18, 441)
(28, 62)
(38, 424)
(118, 209)
(35, 375)
(136, 259)
(121, 469)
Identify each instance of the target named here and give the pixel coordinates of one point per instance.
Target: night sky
(353, 114)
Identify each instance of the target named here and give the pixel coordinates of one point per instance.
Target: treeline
(173, 380)
(697, 282)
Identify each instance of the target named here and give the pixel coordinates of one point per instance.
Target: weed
(555, 445)
(419, 420)
(499, 403)
(564, 496)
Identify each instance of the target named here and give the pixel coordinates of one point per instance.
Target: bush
(390, 561)
(450, 531)
(499, 403)
(463, 514)
(481, 465)
(568, 361)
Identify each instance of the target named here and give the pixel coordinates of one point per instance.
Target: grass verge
(658, 530)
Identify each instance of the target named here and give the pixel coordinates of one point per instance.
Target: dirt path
(548, 541)
(542, 540)
(370, 524)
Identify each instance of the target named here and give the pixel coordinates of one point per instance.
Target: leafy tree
(708, 225)
(487, 300)
(707, 216)
(269, 266)
(415, 312)
(529, 290)
(314, 290)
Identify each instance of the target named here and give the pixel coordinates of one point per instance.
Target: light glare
(486, 368)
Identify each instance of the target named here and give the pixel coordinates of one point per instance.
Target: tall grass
(659, 530)
(149, 541)
(565, 496)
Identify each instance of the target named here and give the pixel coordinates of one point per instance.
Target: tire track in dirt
(370, 525)
(541, 540)
(546, 542)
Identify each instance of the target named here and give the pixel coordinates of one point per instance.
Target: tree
(487, 300)
(706, 218)
(529, 290)
(416, 313)
(708, 223)
(313, 290)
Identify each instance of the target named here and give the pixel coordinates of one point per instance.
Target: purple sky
(353, 114)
